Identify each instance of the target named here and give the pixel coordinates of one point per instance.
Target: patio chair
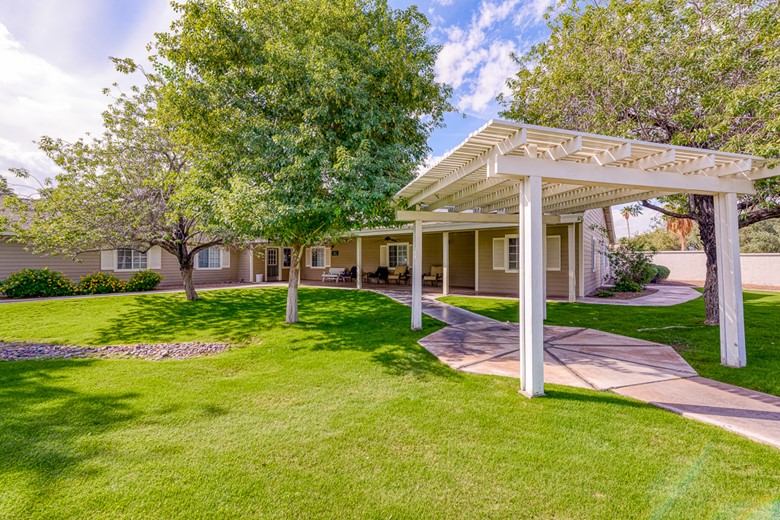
(400, 274)
(334, 274)
(380, 275)
(435, 276)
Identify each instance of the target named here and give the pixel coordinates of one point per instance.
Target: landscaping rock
(18, 351)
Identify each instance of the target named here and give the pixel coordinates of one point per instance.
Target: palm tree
(681, 227)
(628, 212)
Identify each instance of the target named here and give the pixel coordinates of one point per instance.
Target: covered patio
(511, 173)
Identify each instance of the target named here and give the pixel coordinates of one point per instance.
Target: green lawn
(341, 416)
(680, 326)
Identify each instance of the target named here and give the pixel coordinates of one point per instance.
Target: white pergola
(508, 172)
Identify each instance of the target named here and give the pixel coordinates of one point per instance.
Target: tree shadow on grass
(332, 320)
(43, 423)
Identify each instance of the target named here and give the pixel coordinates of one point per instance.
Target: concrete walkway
(667, 295)
(587, 358)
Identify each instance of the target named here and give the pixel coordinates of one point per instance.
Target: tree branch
(667, 212)
(759, 215)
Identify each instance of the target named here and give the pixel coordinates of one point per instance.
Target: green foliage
(319, 111)
(659, 239)
(761, 237)
(143, 281)
(630, 266)
(625, 285)
(605, 293)
(36, 283)
(663, 273)
(100, 283)
(650, 273)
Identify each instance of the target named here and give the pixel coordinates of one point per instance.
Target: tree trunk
(683, 243)
(189, 285)
(628, 228)
(704, 208)
(292, 285)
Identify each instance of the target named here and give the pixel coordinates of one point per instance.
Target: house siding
(593, 223)
(13, 257)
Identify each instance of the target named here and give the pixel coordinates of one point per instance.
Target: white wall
(757, 268)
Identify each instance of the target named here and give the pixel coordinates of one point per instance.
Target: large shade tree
(135, 186)
(317, 110)
(697, 73)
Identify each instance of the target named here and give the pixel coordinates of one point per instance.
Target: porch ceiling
(579, 171)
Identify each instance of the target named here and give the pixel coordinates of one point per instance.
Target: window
(318, 257)
(593, 253)
(287, 257)
(398, 255)
(210, 258)
(130, 260)
(512, 254)
(273, 255)
(553, 252)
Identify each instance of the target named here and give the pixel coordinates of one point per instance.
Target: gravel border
(20, 351)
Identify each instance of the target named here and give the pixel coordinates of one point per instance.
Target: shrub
(630, 264)
(100, 283)
(624, 285)
(663, 273)
(650, 274)
(144, 281)
(605, 293)
(35, 283)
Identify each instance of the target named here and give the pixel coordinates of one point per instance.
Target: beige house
(482, 258)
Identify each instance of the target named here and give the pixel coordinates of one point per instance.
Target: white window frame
(286, 257)
(134, 255)
(555, 238)
(323, 251)
(593, 253)
(405, 248)
(208, 251)
(507, 246)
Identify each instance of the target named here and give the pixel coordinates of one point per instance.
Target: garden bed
(21, 351)
(618, 295)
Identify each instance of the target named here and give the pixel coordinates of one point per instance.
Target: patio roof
(579, 171)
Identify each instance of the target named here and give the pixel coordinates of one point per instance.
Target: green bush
(605, 293)
(100, 283)
(650, 273)
(144, 281)
(663, 273)
(36, 283)
(626, 285)
(628, 263)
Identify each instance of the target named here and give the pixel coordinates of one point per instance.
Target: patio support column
(571, 261)
(251, 252)
(531, 290)
(359, 280)
(476, 260)
(544, 269)
(581, 262)
(445, 260)
(417, 276)
(732, 320)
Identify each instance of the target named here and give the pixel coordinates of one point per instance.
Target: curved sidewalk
(587, 358)
(667, 295)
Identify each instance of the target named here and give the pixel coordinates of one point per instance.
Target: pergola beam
(489, 198)
(466, 193)
(468, 168)
(593, 174)
(613, 155)
(565, 149)
(441, 216)
(653, 161)
(631, 197)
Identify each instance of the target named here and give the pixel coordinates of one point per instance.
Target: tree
(628, 212)
(762, 237)
(135, 186)
(681, 227)
(317, 111)
(702, 74)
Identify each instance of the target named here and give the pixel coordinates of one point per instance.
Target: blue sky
(54, 63)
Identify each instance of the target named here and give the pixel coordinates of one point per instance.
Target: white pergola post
(359, 281)
(417, 276)
(732, 322)
(581, 262)
(572, 263)
(476, 260)
(445, 260)
(544, 269)
(531, 290)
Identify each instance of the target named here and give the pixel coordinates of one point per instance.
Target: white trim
(325, 252)
(445, 260)
(507, 238)
(476, 260)
(206, 250)
(131, 270)
(570, 236)
(417, 278)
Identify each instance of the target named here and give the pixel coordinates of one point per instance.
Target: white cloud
(532, 12)
(52, 80)
(476, 59)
